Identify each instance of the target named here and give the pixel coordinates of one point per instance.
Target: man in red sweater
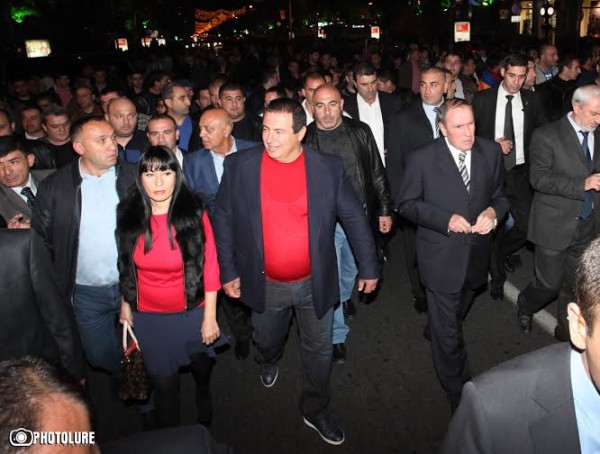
(275, 219)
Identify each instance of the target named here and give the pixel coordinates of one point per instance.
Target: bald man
(122, 115)
(203, 170)
(353, 141)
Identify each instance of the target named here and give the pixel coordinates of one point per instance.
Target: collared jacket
(371, 187)
(57, 215)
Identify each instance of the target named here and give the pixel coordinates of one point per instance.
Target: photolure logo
(24, 437)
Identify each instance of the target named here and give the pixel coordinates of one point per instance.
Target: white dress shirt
(578, 130)
(455, 152)
(518, 122)
(30, 183)
(371, 115)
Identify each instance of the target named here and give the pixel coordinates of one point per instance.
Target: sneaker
(327, 428)
(339, 353)
(268, 374)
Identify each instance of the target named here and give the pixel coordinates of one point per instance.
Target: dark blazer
(557, 174)
(431, 192)
(409, 130)
(238, 227)
(35, 319)
(390, 105)
(11, 203)
(523, 406)
(484, 109)
(200, 175)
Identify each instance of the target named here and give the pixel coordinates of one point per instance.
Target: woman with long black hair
(169, 279)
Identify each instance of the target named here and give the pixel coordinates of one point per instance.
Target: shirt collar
(503, 93)
(110, 173)
(576, 127)
(453, 149)
(584, 392)
(30, 183)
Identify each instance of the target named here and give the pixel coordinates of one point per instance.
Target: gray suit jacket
(11, 203)
(523, 406)
(557, 173)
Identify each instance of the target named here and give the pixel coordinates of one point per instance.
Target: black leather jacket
(371, 185)
(57, 215)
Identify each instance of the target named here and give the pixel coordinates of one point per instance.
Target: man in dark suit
(275, 221)
(370, 106)
(203, 170)
(509, 114)
(35, 318)
(565, 159)
(452, 189)
(411, 129)
(18, 183)
(545, 401)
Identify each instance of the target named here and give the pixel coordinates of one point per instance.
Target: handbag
(135, 383)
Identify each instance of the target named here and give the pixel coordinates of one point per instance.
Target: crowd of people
(269, 184)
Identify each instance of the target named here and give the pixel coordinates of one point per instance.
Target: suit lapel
(251, 174)
(14, 200)
(448, 165)
(573, 142)
(209, 171)
(596, 158)
(314, 199)
(421, 119)
(556, 430)
(526, 113)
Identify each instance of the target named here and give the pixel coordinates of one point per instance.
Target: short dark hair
(163, 116)
(8, 115)
(230, 86)
(364, 69)
(453, 54)
(386, 76)
(313, 75)
(167, 90)
(25, 386)
(116, 90)
(9, 144)
(56, 111)
(449, 105)
(587, 288)
(291, 106)
(153, 77)
(434, 69)
(514, 60)
(30, 106)
(566, 60)
(77, 126)
(280, 91)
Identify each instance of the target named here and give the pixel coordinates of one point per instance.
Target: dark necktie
(588, 201)
(28, 193)
(436, 133)
(510, 160)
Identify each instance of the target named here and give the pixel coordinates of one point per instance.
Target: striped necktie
(28, 194)
(464, 172)
(437, 122)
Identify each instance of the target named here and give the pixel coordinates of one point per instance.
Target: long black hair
(160, 159)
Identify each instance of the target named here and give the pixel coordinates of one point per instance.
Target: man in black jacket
(353, 141)
(35, 319)
(75, 218)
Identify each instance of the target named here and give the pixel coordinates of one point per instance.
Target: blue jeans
(347, 273)
(271, 328)
(96, 312)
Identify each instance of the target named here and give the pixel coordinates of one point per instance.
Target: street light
(547, 11)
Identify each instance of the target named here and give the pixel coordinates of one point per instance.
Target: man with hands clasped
(453, 190)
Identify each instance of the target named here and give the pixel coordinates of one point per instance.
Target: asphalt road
(386, 396)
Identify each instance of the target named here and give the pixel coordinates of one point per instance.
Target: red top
(284, 210)
(160, 271)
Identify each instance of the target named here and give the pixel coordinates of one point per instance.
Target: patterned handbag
(135, 383)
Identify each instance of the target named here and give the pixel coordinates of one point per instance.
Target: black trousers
(238, 316)
(555, 274)
(446, 313)
(409, 236)
(519, 194)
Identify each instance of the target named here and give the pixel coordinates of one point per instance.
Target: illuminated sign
(121, 44)
(36, 48)
(375, 31)
(462, 31)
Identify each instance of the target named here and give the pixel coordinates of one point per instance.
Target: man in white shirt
(162, 130)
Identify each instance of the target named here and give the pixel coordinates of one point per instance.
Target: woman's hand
(125, 315)
(210, 330)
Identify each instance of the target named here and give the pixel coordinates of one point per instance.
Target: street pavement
(386, 396)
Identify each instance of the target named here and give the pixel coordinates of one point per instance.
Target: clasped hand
(483, 226)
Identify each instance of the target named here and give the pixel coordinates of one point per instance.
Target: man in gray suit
(564, 161)
(545, 401)
(18, 183)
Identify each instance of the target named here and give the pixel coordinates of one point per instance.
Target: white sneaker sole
(268, 386)
(327, 440)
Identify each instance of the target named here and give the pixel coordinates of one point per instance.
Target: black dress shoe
(327, 428)
(525, 321)
(497, 294)
(420, 304)
(339, 353)
(242, 349)
(268, 374)
(349, 309)
(561, 335)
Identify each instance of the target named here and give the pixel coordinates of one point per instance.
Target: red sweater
(160, 271)
(284, 209)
